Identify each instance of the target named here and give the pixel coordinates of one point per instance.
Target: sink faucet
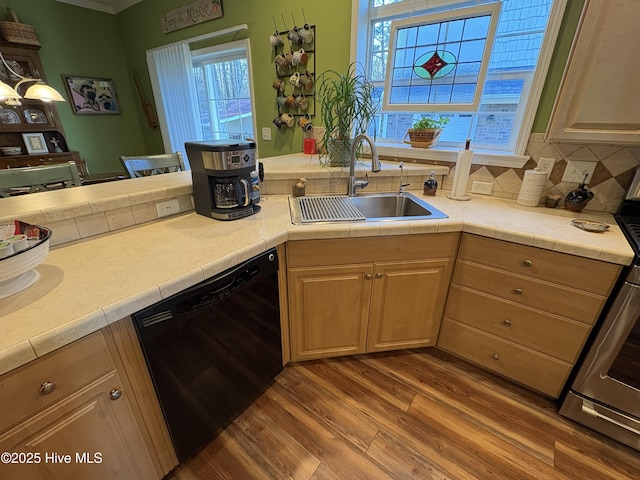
(402, 185)
(354, 184)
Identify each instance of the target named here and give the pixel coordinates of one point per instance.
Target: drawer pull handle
(528, 263)
(115, 394)
(518, 291)
(47, 387)
(495, 356)
(378, 275)
(507, 322)
(368, 276)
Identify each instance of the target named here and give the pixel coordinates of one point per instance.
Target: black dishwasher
(213, 349)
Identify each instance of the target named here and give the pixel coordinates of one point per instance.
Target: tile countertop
(89, 283)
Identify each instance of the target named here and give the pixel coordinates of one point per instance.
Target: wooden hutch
(32, 116)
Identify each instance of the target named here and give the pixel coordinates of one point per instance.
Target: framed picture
(35, 143)
(91, 96)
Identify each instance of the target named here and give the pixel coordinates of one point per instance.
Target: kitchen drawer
(535, 370)
(69, 368)
(581, 273)
(308, 253)
(543, 332)
(565, 301)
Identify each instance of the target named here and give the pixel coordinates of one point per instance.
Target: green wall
(80, 41)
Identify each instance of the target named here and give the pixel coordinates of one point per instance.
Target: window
(202, 94)
(501, 124)
(223, 90)
(439, 61)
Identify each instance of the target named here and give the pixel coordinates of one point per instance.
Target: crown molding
(107, 6)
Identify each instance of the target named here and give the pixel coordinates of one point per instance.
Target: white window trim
(235, 46)
(359, 26)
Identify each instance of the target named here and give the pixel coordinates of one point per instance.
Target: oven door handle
(589, 409)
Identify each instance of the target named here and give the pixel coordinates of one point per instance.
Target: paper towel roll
(460, 177)
(532, 187)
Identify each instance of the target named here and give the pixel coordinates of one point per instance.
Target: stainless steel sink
(374, 207)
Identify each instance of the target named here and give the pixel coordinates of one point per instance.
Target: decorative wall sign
(196, 12)
(91, 96)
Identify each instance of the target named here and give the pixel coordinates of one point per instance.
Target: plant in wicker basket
(425, 132)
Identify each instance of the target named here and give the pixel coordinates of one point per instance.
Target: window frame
(229, 51)
(360, 51)
(491, 9)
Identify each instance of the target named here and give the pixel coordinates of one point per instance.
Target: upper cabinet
(598, 100)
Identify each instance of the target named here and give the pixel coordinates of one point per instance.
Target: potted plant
(348, 108)
(425, 132)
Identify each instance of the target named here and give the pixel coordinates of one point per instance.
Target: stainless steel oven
(605, 394)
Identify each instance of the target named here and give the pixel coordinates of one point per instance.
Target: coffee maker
(224, 176)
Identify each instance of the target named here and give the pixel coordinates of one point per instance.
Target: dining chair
(146, 165)
(34, 179)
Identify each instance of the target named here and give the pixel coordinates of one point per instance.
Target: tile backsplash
(612, 177)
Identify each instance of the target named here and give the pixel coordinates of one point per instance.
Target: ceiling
(108, 6)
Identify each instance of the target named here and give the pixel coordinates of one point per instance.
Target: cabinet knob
(378, 275)
(507, 322)
(115, 394)
(528, 263)
(47, 387)
(517, 291)
(495, 356)
(368, 276)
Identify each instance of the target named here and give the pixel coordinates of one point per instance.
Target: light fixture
(39, 91)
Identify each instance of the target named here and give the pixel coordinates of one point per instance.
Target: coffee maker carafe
(222, 173)
(232, 192)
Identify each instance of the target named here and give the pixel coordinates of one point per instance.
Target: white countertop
(90, 283)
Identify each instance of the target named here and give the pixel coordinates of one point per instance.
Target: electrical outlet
(575, 171)
(483, 188)
(266, 133)
(168, 207)
(546, 165)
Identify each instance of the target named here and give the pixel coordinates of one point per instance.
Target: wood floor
(407, 415)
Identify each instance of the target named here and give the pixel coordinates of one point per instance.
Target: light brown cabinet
(362, 295)
(598, 98)
(523, 312)
(73, 414)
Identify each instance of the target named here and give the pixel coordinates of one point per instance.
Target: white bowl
(17, 270)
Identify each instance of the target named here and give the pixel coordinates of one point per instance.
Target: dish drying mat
(328, 209)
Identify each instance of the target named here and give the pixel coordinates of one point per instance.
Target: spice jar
(431, 184)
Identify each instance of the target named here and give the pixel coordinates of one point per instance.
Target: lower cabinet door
(89, 434)
(329, 310)
(407, 304)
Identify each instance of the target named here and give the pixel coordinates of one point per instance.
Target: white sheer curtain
(171, 75)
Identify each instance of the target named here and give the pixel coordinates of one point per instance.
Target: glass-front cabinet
(32, 127)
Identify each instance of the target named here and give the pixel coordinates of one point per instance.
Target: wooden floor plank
(402, 460)
(411, 414)
(343, 418)
(341, 457)
(281, 451)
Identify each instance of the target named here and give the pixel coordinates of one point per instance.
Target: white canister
(532, 187)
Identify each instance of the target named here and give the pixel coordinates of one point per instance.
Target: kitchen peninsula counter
(88, 283)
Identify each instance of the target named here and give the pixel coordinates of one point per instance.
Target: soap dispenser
(578, 198)
(431, 184)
